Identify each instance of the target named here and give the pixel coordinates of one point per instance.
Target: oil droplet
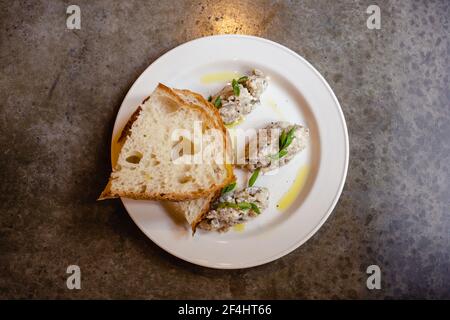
(239, 227)
(294, 190)
(235, 123)
(273, 105)
(223, 76)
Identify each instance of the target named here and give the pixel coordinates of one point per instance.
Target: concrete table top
(60, 92)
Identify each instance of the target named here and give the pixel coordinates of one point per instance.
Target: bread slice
(146, 168)
(196, 99)
(192, 210)
(195, 210)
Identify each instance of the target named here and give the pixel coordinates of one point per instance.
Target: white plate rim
(338, 191)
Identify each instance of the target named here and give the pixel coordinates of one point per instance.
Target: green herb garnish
(242, 80)
(227, 205)
(282, 139)
(283, 142)
(279, 155)
(229, 188)
(218, 102)
(289, 137)
(255, 208)
(244, 205)
(210, 98)
(253, 178)
(236, 89)
(240, 205)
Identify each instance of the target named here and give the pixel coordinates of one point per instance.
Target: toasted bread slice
(195, 210)
(196, 99)
(146, 168)
(192, 210)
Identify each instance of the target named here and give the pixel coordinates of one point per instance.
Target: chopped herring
(235, 207)
(233, 107)
(269, 154)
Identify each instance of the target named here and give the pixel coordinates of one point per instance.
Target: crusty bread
(195, 210)
(192, 210)
(196, 99)
(145, 167)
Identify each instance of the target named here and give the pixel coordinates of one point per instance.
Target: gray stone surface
(61, 89)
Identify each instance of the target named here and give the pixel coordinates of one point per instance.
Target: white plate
(302, 96)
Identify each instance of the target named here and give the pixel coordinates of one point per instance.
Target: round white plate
(297, 93)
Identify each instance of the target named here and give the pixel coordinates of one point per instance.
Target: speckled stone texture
(60, 92)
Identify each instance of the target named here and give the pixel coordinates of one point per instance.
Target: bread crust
(227, 142)
(218, 120)
(108, 194)
(126, 130)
